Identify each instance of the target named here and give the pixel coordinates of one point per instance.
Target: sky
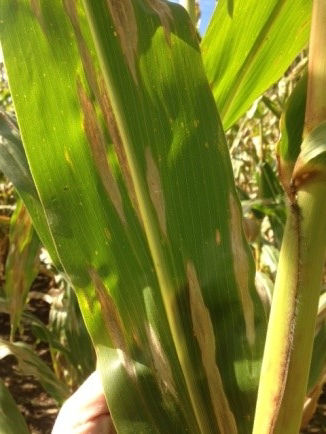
(207, 8)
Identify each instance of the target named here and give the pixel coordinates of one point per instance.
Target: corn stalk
(291, 328)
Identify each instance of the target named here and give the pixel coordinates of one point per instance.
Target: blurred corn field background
(43, 340)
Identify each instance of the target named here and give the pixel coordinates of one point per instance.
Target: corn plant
(129, 184)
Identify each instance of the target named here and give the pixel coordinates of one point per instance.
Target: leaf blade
(238, 62)
(178, 152)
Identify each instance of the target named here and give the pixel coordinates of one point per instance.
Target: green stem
(291, 327)
(316, 90)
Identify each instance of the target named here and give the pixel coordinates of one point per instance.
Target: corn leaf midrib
(168, 288)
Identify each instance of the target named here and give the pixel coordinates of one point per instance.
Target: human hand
(86, 411)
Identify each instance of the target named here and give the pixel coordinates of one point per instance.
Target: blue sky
(207, 8)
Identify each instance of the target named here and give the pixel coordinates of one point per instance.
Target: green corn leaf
(11, 419)
(74, 357)
(31, 364)
(247, 52)
(13, 163)
(318, 361)
(22, 263)
(291, 125)
(131, 165)
(270, 189)
(81, 353)
(291, 128)
(269, 186)
(43, 333)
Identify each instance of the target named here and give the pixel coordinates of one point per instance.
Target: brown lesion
(163, 11)
(241, 268)
(112, 320)
(218, 238)
(204, 333)
(295, 175)
(304, 173)
(161, 365)
(285, 170)
(86, 57)
(113, 129)
(155, 189)
(98, 149)
(125, 23)
(37, 11)
(98, 87)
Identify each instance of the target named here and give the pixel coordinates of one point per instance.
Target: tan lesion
(155, 189)
(98, 149)
(161, 363)
(98, 87)
(112, 126)
(85, 55)
(218, 238)
(204, 333)
(112, 321)
(241, 268)
(125, 23)
(37, 11)
(162, 9)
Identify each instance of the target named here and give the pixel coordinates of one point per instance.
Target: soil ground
(37, 407)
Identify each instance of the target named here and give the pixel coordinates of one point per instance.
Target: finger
(84, 410)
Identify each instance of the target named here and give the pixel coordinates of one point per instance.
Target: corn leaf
(13, 163)
(76, 361)
(246, 52)
(11, 420)
(22, 263)
(131, 165)
(31, 364)
(318, 361)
